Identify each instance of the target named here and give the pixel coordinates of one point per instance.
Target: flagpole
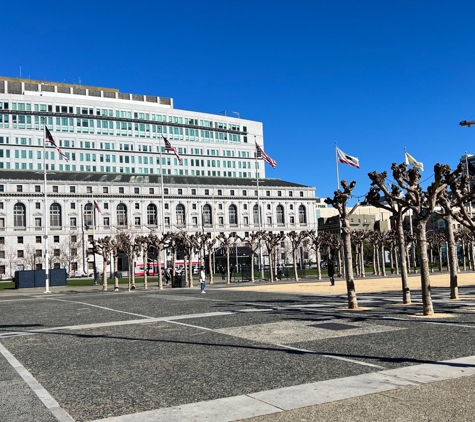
(46, 254)
(258, 212)
(336, 164)
(93, 238)
(163, 207)
(161, 183)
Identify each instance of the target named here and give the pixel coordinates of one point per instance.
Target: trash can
(179, 281)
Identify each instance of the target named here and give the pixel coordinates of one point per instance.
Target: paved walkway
(77, 354)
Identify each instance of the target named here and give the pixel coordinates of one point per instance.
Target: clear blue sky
(374, 76)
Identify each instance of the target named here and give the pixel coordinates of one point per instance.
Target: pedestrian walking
(331, 272)
(222, 271)
(167, 276)
(202, 279)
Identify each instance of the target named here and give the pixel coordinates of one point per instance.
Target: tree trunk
(228, 269)
(441, 268)
(374, 261)
(427, 307)
(406, 292)
(145, 267)
(383, 261)
(378, 263)
(116, 279)
(464, 259)
(210, 265)
(252, 265)
(319, 267)
(188, 282)
(104, 276)
(350, 283)
(159, 268)
(452, 258)
(132, 266)
(271, 272)
(294, 254)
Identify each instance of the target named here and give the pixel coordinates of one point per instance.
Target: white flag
(413, 162)
(347, 159)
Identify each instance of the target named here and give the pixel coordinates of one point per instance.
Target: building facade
(119, 177)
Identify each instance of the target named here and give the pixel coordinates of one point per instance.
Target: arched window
(88, 215)
(151, 215)
(19, 215)
(280, 214)
(121, 215)
(207, 216)
(255, 214)
(55, 215)
(302, 215)
(180, 215)
(233, 215)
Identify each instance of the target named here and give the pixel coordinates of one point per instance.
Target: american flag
(265, 157)
(96, 206)
(170, 147)
(49, 138)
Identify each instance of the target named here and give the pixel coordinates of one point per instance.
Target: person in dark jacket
(331, 271)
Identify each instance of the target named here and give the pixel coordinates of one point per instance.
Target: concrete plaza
(264, 352)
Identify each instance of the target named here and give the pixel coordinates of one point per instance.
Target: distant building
(116, 159)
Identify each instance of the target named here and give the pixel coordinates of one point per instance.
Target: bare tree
(144, 243)
(69, 253)
(209, 244)
(316, 242)
(225, 243)
(423, 204)
(339, 201)
(104, 248)
(127, 244)
(390, 203)
(271, 241)
(296, 239)
(160, 242)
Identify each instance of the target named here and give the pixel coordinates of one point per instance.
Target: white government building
(116, 158)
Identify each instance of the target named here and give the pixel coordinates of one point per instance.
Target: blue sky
(374, 76)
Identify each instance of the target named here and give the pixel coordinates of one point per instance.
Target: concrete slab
(440, 371)
(331, 390)
(221, 410)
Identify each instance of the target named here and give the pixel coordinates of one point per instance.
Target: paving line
(51, 404)
(100, 307)
(147, 320)
(311, 394)
(358, 362)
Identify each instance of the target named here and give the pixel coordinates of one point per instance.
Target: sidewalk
(308, 285)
